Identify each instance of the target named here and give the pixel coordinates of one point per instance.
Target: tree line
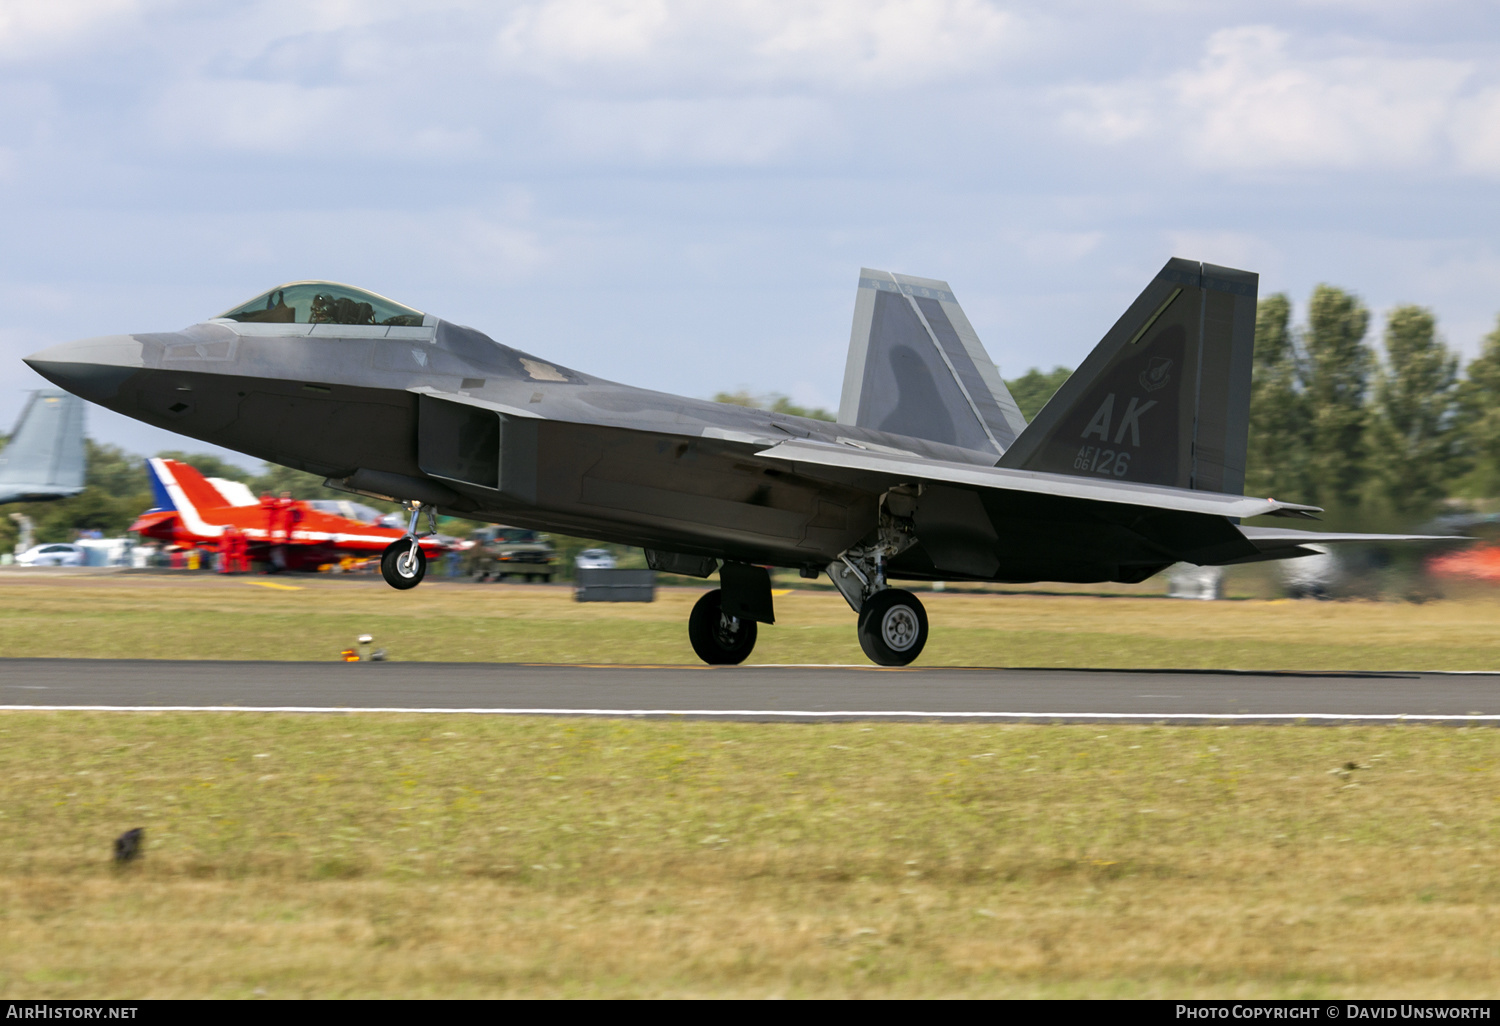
(1366, 434)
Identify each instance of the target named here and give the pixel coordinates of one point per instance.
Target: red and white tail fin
(180, 487)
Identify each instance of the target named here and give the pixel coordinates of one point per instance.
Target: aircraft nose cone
(93, 368)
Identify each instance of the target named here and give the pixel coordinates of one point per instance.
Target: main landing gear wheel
(892, 627)
(719, 639)
(398, 567)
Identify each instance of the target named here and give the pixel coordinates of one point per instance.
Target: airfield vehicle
(929, 474)
(594, 559)
(53, 554)
(500, 552)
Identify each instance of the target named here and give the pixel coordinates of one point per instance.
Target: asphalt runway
(754, 692)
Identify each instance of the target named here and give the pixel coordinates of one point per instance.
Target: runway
(754, 692)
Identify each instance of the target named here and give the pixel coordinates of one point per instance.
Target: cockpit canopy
(323, 302)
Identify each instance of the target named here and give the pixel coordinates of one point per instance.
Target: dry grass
(475, 856)
(207, 617)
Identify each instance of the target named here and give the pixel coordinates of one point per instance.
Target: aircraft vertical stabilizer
(917, 368)
(161, 498)
(1164, 399)
(44, 458)
(188, 492)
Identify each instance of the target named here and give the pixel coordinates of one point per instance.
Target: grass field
(314, 617)
(481, 856)
(476, 856)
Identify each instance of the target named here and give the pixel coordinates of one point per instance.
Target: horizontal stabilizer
(1280, 543)
(917, 368)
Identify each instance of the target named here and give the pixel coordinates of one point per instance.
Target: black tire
(395, 567)
(719, 640)
(893, 627)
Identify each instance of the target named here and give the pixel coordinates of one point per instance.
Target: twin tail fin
(1164, 398)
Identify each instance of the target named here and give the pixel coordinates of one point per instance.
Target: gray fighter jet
(44, 457)
(931, 473)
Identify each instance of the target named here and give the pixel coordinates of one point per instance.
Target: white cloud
(1475, 133)
(712, 132)
(30, 28)
(266, 117)
(1252, 103)
(845, 43)
(586, 30)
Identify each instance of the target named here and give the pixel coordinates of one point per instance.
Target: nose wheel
(718, 638)
(892, 627)
(403, 564)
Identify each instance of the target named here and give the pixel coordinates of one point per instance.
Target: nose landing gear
(403, 564)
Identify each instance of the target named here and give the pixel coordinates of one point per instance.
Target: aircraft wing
(914, 468)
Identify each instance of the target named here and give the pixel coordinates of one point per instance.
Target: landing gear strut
(892, 622)
(718, 638)
(403, 564)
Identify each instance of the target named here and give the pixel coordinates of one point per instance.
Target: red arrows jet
(190, 509)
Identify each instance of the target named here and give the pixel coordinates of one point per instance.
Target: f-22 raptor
(930, 473)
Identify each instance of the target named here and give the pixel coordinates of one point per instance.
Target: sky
(679, 194)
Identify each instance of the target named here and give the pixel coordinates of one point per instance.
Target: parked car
(595, 559)
(497, 552)
(52, 554)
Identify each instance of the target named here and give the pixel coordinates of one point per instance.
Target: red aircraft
(293, 534)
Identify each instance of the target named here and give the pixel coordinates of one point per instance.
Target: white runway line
(860, 714)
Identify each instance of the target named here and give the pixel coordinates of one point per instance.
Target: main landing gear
(892, 627)
(892, 623)
(403, 564)
(718, 638)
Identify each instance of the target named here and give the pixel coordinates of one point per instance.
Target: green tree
(1032, 389)
(275, 479)
(1277, 457)
(1415, 446)
(1479, 407)
(775, 402)
(1336, 385)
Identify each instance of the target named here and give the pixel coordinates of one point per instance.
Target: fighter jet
(44, 458)
(930, 473)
